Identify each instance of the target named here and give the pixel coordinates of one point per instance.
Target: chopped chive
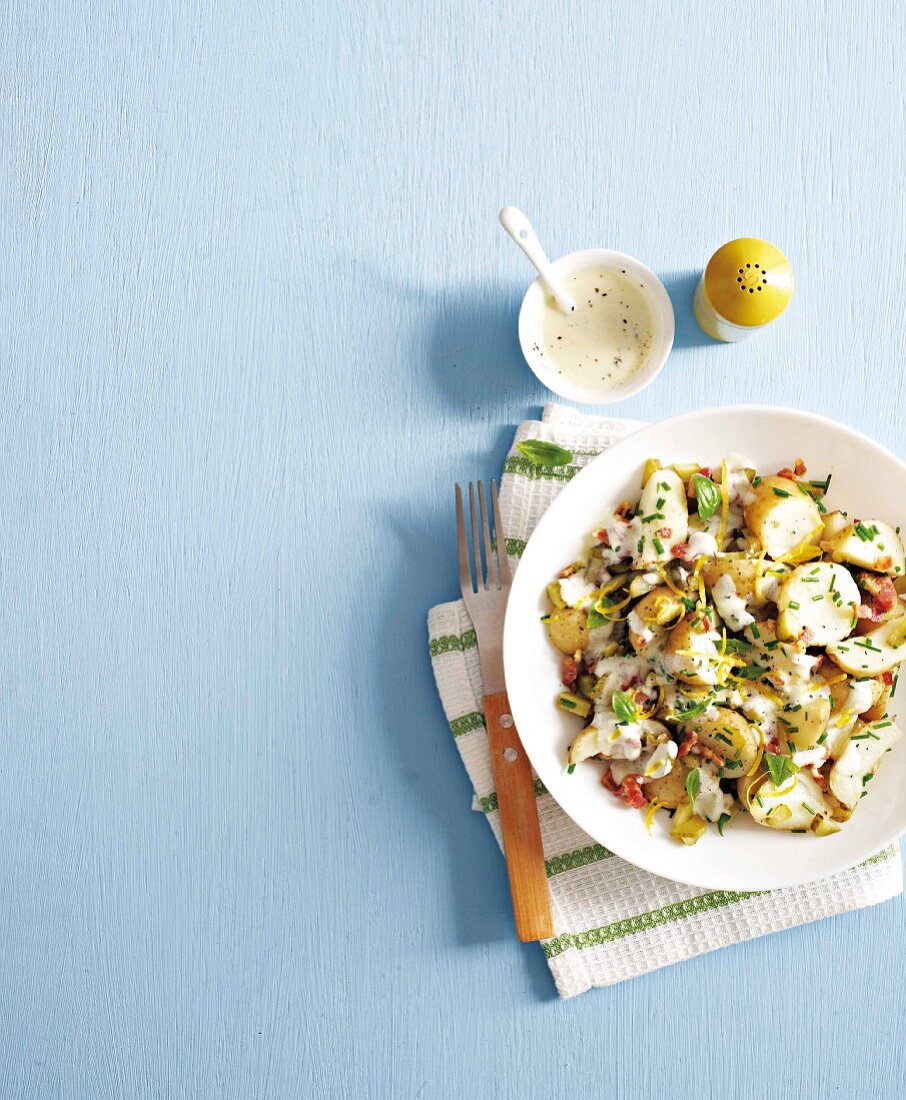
(659, 504)
(571, 769)
(721, 737)
(808, 808)
(882, 725)
(822, 738)
(794, 605)
(658, 545)
(780, 492)
(654, 515)
(815, 599)
(756, 633)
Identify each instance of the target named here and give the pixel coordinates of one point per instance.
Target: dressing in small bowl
(617, 339)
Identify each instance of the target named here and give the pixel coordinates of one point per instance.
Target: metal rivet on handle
(506, 721)
(510, 755)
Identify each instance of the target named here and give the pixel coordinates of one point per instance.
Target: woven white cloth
(613, 921)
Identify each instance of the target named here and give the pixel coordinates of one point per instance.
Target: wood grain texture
(256, 317)
(518, 823)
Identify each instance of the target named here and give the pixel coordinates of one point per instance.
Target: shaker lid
(749, 282)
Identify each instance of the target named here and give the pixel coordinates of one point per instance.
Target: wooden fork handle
(518, 823)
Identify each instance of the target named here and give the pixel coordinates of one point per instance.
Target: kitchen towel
(612, 920)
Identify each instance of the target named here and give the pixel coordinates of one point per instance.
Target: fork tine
(476, 548)
(493, 572)
(462, 545)
(503, 562)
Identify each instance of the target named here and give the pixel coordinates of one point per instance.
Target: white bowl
(867, 481)
(531, 317)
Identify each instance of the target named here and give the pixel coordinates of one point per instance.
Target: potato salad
(730, 645)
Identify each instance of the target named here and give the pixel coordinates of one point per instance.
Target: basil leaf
(624, 707)
(707, 495)
(693, 785)
(543, 453)
(721, 821)
(596, 619)
(779, 767)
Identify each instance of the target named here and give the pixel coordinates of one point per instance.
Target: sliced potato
(727, 733)
(660, 607)
(804, 727)
(691, 654)
(820, 599)
(662, 508)
(870, 544)
(834, 523)
(794, 805)
(879, 708)
(878, 651)
(651, 615)
(867, 744)
(670, 789)
(597, 741)
(748, 575)
(839, 689)
(782, 517)
(568, 629)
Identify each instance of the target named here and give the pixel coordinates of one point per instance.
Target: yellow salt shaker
(747, 284)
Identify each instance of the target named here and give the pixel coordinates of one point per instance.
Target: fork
(485, 594)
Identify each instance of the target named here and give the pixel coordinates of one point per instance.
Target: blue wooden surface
(256, 316)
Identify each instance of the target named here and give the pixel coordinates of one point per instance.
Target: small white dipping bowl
(531, 319)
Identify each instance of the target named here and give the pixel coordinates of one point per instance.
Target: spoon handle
(520, 229)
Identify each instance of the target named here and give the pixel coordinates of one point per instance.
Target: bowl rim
(654, 866)
(661, 304)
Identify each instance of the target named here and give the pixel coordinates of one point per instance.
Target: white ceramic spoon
(520, 229)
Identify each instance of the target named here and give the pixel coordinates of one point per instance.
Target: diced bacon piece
(688, 744)
(631, 792)
(881, 591)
